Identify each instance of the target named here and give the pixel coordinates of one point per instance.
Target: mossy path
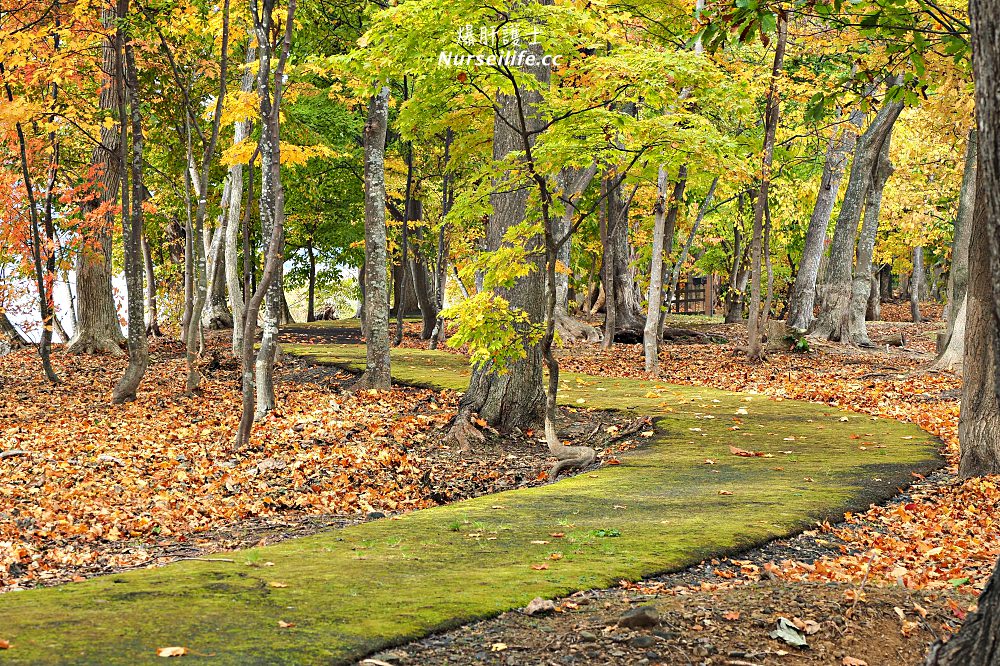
(351, 591)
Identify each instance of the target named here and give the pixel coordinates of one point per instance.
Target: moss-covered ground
(352, 591)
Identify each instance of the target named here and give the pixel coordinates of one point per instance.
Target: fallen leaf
(285, 625)
(732, 616)
(171, 652)
(540, 567)
(4, 645)
(851, 661)
(277, 584)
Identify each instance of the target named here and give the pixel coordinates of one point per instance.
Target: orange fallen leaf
(540, 567)
(481, 423)
(4, 645)
(612, 461)
(725, 492)
(555, 556)
(171, 652)
(732, 616)
(285, 625)
(736, 451)
(557, 535)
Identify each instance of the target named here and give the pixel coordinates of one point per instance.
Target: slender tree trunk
(97, 329)
(216, 315)
(376, 323)
(755, 326)
(45, 304)
(272, 198)
(132, 221)
(650, 332)
(608, 276)
(234, 223)
(916, 283)
(803, 297)
(670, 225)
(152, 315)
(441, 274)
(686, 250)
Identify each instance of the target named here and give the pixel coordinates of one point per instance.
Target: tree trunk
(152, 314)
(874, 310)
(953, 355)
(98, 329)
(311, 286)
(861, 284)
(686, 250)
(916, 283)
(514, 398)
(755, 325)
(958, 273)
(376, 293)
(272, 202)
(572, 182)
(132, 221)
(737, 280)
(885, 283)
(650, 332)
(11, 338)
(803, 299)
(628, 299)
(834, 319)
(216, 315)
(234, 222)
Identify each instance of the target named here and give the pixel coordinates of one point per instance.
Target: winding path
(350, 592)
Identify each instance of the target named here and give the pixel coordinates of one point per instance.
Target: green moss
(356, 590)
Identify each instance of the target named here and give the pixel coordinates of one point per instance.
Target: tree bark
(650, 332)
(272, 201)
(755, 325)
(514, 398)
(376, 322)
(861, 283)
(834, 319)
(152, 313)
(803, 299)
(132, 221)
(916, 283)
(958, 273)
(98, 329)
(234, 221)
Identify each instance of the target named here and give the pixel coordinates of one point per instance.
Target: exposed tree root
(571, 329)
(567, 457)
(464, 432)
(92, 344)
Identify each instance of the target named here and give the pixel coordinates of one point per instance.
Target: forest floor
(652, 525)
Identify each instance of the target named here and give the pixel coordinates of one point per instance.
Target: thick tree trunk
(514, 398)
(132, 221)
(874, 310)
(628, 299)
(834, 319)
(803, 299)
(861, 284)
(376, 293)
(958, 273)
(98, 329)
(10, 337)
(953, 355)
(757, 319)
